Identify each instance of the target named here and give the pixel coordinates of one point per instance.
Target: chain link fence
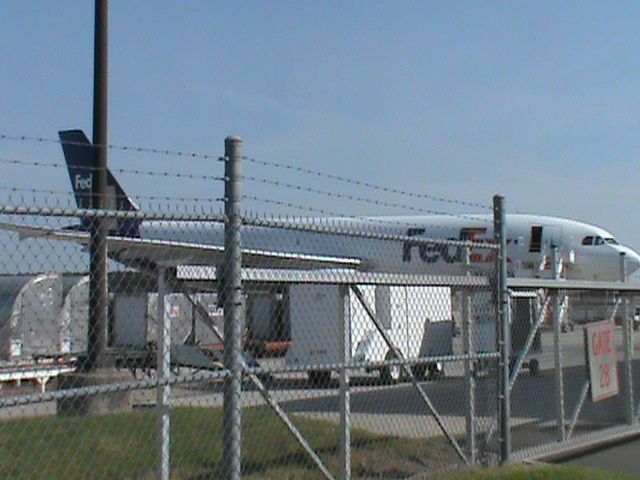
(299, 345)
(329, 354)
(575, 374)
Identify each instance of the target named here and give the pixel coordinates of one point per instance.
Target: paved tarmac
(399, 410)
(624, 458)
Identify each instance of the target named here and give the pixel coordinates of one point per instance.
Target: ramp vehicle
(417, 319)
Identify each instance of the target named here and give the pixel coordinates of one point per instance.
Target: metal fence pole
(557, 350)
(504, 337)
(627, 336)
(98, 266)
(233, 321)
(345, 394)
(163, 372)
(469, 350)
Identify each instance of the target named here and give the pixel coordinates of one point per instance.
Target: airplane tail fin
(78, 153)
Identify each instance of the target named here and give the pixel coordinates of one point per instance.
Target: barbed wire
(209, 177)
(75, 212)
(180, 153)
(341, 216)
(125, 148)
(380, 203)
(116, 196)
(197, 212)
(334, 228)
(152, 173)
(5, 188)
(322, 226)
(373, 186)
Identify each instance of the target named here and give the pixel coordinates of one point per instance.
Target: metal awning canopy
(333, 276)
(532, 283)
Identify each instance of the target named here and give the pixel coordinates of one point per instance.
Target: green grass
(550, 472)
(123, 446)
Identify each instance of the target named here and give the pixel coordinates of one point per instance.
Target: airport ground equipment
(39, 328)
(525, 309)
(39, 371)
(30, 327)
(43, 315)
(417, 319)
(74, 315)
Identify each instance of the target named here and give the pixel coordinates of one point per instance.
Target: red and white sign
(603, 366)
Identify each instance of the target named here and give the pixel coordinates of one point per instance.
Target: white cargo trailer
(180, 312)
(31, 329)
(130, 322)
(74, 318)
(214, 317)
(417, 319)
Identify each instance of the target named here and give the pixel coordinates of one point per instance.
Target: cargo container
(30, 327)
(74, 317)
(418, 321)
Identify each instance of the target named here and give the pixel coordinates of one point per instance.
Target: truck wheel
(390, 373)
(319, 378)
(534, 367)
(419, 371)
(478, 367)
(436, 370)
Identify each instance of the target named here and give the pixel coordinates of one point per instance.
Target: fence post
(627, 336)
(557, 328)
(345, 394)
(99, 228)
(467, 338)
(233, 321)
(163, 371)
(504, 333)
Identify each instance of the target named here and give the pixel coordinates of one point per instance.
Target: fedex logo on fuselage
(431, 253)
(81, 182)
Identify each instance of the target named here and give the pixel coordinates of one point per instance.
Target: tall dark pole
(98, 292)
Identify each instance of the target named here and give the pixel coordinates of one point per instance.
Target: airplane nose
(632, 260)
(634, 263)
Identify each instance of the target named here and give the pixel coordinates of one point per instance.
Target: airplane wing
(145, 252)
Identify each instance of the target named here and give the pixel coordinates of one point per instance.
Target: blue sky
(539, 101)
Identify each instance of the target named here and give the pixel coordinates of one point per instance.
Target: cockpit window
(593, 240)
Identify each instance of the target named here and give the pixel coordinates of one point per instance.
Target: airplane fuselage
(587, 252)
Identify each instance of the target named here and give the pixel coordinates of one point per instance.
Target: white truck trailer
(418, 320)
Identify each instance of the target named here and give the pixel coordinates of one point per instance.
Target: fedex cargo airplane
(588, 252)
